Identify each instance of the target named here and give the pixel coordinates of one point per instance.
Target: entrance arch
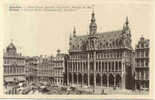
(104, 80)
(98, 80)
(80, 78)
(70, 77)
(118, 80)
(111, 80)
(75, 78)
(91, 79)
(85, 79)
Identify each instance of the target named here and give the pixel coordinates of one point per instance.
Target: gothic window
(112, 66)
(120, 54)
(142, 54)
(142, 45)
(138, 63)
(91, 66)
(117, 54)
(103, 46)
(120, 66)
(98, 55)
(116, 66)
(105, 55)
(142, 63)
(111, 55)
(146, 63)
(113, 43)
(138, 54)
(97, 66)
(110, 45)
(146, 54)
(106, 44)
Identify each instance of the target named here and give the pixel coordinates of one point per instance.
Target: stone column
(82, 71)
(107, 80)
(69, 66)
(77, 78)
(94, 69)
(88, 69)
(101, 73)
(123, 81)
(77, 71)
(107, 66)
(123, 75)
(82, 79)
(114, 80)
(101, 80)
(114, 66)
(72, 72)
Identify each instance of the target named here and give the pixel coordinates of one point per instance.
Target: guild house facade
(142, 64)
(31, 69)
(14, 65)
(101, 58)
(45, 68)
(59, 68)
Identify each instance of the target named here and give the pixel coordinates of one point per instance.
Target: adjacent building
(45, 69)
(142, 64)
(31, 69)
(101, 58)
(14, 65)
(14, 69)
(59, 68)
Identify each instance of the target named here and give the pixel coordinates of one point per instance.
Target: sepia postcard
(85, 49)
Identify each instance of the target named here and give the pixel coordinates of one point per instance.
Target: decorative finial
(74, 31)
(58, 51)
(127, 21)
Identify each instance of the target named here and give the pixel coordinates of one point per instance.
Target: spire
(92, 26)
(74, 32)
(93, 15)
(127, 22)
(126, 28)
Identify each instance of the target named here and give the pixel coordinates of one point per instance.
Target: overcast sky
(36, 33)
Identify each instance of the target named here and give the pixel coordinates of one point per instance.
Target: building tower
(92, 26)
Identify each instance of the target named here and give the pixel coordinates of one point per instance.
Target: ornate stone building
(14, 65)
(101, 59)
(14, 69)
(45, 69)
(142, 64)
(31, 69)
(59, 68)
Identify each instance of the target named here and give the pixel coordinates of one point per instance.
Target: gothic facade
(101, 59)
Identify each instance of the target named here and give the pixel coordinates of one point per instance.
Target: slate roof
(102, 38)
